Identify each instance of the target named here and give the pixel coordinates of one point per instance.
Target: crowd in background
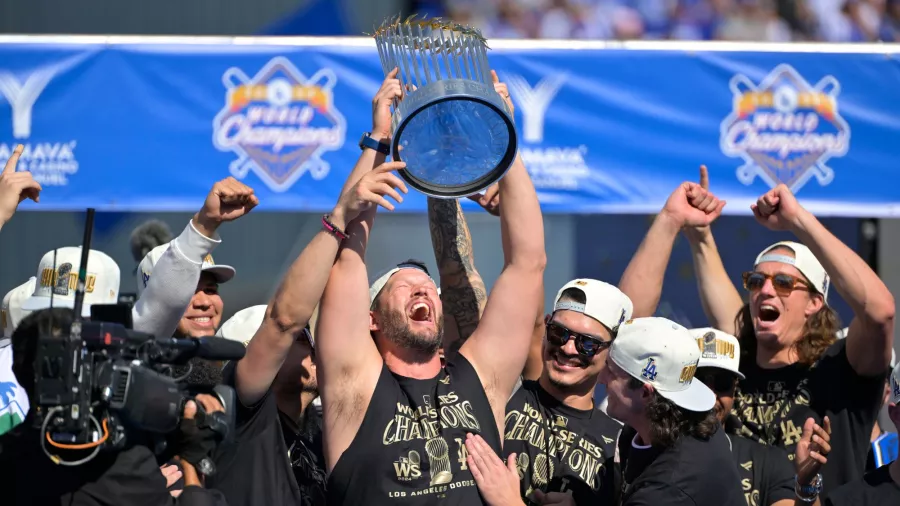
(731, 20)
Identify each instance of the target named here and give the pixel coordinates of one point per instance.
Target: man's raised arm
(499, 346)
(463, 293)
(300, 291)
(15, 187)
(690, 205)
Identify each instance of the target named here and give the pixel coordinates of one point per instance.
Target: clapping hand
(497, 481)
(812, 450)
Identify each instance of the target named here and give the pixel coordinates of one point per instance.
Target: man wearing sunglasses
(767, 476)
(794, 368)
(563, 444)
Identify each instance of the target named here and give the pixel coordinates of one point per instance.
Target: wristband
(808, 493)
(332, 228)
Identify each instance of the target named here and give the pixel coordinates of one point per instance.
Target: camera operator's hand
(228, 200)
(16, 187)
(197, 439)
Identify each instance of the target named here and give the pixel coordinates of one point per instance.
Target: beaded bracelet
(332, 228)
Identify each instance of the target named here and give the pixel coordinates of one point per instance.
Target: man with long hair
(671, 449)
(794, 368)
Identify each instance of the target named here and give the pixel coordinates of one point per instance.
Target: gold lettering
(535, 436)
(89, 285)
(519, 423)
(462, 454)
(745, 483)
(687, 373)
(450, 398)
(48, 277)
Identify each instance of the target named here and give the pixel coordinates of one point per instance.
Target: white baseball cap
(242, 326)
(602, 302)
(664, 354)
(222, 273)
(11, 312)
(718, 349)
(61, 278)
(895, 385)
(376, 287)
(803, 260)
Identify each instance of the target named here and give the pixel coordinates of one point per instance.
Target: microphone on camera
(209, 348)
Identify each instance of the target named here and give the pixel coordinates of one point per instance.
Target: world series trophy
(455, 133)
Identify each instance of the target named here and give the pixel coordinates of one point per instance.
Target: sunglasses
(718, 381)
(558, 336)
(784, 284)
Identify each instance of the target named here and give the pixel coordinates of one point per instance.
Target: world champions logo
(279, 123)
(784, 128)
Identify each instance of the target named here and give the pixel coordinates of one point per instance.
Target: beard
(397, 330)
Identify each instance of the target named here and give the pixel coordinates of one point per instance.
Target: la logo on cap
(649, 371)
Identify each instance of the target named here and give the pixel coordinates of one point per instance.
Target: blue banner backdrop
(135, 124)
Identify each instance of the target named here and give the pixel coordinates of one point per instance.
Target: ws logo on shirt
(408, 467)
(279, 123)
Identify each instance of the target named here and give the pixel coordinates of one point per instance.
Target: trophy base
(456, 137)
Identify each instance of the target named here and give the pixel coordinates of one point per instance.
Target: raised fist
(778, 209)
(16, 187)
(692, 204)
(228, 200)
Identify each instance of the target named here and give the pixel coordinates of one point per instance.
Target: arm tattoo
(462, 289)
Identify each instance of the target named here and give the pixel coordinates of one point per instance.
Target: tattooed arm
(462, 290)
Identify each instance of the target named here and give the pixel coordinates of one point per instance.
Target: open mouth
(566, 362)
(768, 313)
(420, 311)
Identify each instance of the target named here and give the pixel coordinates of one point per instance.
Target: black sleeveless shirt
(410, 448)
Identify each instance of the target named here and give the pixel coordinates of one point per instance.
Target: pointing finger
(704, 177)
(13, 160)
(494, 77)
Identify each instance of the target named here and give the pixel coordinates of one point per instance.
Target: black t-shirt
(693, 472)
(767, 475)
(410, 448)
(773, 404)
(258, 468)
(560, 448)
(874, 489)
(129, 477)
